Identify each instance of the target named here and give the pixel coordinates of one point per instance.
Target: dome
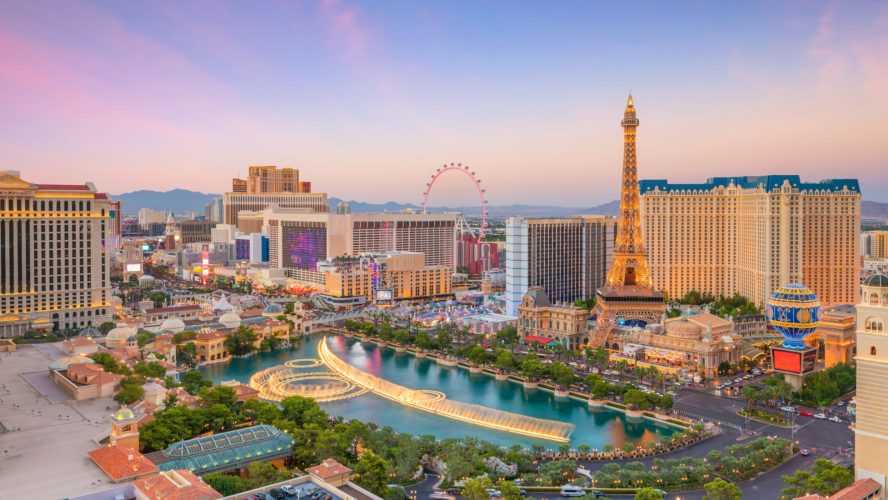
(876, 281)
(123, 413)
(273, 309)
(64, 363)
(120, 334)
(230, 320)
(173, 325)
(90, 331)
(794, 311)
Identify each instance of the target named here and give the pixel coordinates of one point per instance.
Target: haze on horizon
(368, 98)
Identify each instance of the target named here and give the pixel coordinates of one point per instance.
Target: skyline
(139, 96)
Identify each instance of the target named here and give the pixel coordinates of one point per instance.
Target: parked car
(454, 490)
(841, 403)
(494, 493)
(806, 413)
(788, 408)
(278, 493)
(805, 452)
(835, 419)
(569, 490)
(820, 416)
(290, 489)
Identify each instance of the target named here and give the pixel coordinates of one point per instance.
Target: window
(873, 351)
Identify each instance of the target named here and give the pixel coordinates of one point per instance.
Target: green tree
(509, 490)
(187, 353)
(218, 395)
(226, 484)
(151, 369)
(372, 472)
(106, 327)
(647, 493)
(719, 489)
(130, 391)
(533, 368)
(476, 488)
(193, 381)
(562, 374)
(171, 425)
(505, 360)
(241, 341)
(303, 411)
(423, 341)
(507, 335)
(263, 473)
(824, 478)
(444, 340)
(144, 338)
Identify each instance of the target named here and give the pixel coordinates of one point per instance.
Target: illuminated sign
(133, 268)
(384, 295)
(146, 247)
(787, 361)
(794, 361)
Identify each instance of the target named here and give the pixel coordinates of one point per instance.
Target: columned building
(54, 262)
(750, 235)
(871, 429)
(567, 257)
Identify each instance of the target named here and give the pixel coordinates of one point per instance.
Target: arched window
(873, 351)
(874, 298)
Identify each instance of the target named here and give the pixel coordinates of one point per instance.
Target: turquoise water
(595, 427)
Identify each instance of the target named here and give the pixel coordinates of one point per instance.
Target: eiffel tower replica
(628, 296)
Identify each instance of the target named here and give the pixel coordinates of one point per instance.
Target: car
(738, 380)
(442, 495)
(454, 490)
(805, 452)
(820, 416)
(278, 493)
(841, 403)
(494, 493)
(835, 419)
(569, 490)
(806, 413)
(788, 408)
(289, 489)
(672, 393)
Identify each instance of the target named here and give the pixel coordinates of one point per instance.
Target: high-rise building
(148, 216)
(878, 244)
(750, 235)
(567, 257)
(474, 256)
(215, 211)
(299, 240)
(866, 244)
(628, 294)
(871, 428)
(54, 264)
(268, 186)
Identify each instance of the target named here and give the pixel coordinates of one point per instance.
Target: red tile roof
(121, 462)
(175, 485)
(328, 468)
(209, 336)
(63, 187)
(861, 488)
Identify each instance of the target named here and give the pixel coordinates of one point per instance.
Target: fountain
(436, 402)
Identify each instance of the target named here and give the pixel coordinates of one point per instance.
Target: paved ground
(44, 453)
(52, 351)
(41, 382)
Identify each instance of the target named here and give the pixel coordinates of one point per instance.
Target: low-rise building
(538, 318)
(211, 347)
(122, 463)
(80, 345)
(183, 312)
(179, 484)
(87, 381)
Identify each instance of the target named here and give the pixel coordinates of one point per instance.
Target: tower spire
(630, 265)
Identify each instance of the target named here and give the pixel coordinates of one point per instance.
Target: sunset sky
(368, 98)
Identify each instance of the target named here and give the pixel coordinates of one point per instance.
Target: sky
(368, 98)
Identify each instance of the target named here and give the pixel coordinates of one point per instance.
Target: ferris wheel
(464, 169)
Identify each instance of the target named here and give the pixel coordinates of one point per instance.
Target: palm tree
(640, 372)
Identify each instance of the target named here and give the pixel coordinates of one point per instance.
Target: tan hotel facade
(266, 186)
(749, 235)
(54, 263)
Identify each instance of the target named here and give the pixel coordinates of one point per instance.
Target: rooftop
(225, 451)
(176, 485)
(121, 462)
(768, 182)
(328, 468)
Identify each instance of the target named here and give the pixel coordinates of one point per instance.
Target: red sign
(787, 361)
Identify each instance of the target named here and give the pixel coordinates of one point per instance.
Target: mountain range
(184, 200)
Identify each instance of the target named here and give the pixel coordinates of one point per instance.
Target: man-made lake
(596, 427)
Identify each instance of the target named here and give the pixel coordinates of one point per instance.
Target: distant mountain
(494, 210)
(183, 200)
(874, 209)
(177, 200)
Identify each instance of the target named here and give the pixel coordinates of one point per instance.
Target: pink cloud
(345, 27)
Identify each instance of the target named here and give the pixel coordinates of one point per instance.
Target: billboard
(384, 295)
(134, 268)
(793, 361)
(304, 244)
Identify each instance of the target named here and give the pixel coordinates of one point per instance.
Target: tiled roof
(121, 462)
(91, 374)
(171, 309)
(861, 488)
(328, 468)
(175, 485)
(209, 336)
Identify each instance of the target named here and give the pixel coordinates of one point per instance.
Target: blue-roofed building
(226, 451)
(749, 235)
